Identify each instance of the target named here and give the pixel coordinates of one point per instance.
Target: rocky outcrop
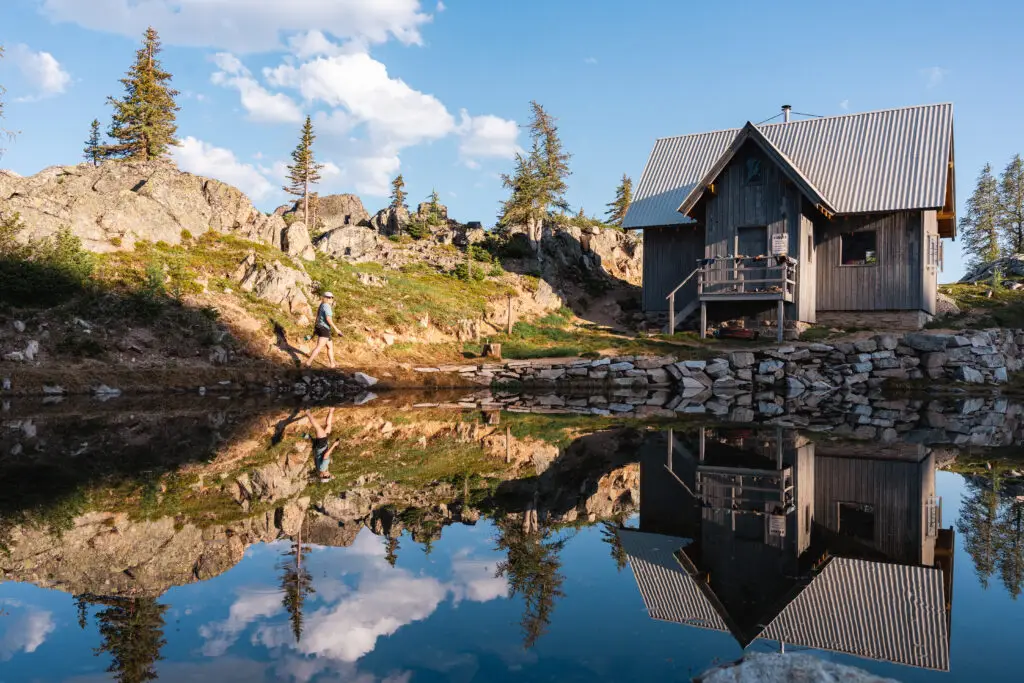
(295, 241)
(277, 284)
(353, 243)
(424, 212)
(786, 668)
(390, 221)
(1008, 266)
(116, 204)
(332, 211)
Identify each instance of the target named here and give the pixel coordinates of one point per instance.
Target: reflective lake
(140, 539)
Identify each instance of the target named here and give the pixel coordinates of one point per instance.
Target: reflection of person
(321, 450)
(322, 330)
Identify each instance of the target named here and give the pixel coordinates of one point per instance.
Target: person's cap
(328, 295)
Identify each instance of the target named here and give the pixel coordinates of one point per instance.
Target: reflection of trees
(979, 511)
(296, 584)
(392, 550)
(1011, 547)
(82, 605)
(610, 535)
(531, 567)
(132, 630)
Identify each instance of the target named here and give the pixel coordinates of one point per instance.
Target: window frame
(842, 244)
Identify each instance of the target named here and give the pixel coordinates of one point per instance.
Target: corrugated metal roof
(669, 592)
(888, 612)
(889, 160)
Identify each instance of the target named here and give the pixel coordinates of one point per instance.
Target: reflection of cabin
(832, 547)
(835, 220)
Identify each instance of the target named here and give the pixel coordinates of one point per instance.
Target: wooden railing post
(672, 313)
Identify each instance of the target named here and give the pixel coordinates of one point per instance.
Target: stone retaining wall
(975, 357)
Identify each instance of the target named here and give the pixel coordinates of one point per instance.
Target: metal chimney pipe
(785, 113)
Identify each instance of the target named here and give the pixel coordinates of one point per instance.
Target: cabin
(832, 221)
(768, 536)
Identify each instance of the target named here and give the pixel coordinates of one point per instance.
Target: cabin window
(857, 521)
(753, 171)
(860, 248)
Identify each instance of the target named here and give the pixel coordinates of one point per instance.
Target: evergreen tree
(392, 550)
(296, 585)
(979, 227)
(143, 125)
(978, 524)
(398, 193)
(93, 149)
(1011, 546)
(82, 606)
(132, 632)
(537, 186)
(623, 198)
(610, 535)
(1011, 206)
(434, 208)
(304, 170)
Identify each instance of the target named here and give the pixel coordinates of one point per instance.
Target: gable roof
(890, 160)
(890, 612)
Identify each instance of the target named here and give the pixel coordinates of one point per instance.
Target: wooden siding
(807, 274)
(670, 254)
(929, 261)
(774, 203)
(893, 283)
(896, 490)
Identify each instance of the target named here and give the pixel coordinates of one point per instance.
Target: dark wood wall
(893, 283)
(670, 254)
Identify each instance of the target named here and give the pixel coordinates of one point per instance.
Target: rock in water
(787, 668)
(364, 380)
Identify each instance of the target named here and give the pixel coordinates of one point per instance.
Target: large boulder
(594, 250)
(1008, 266)
(333, 211)
(277, 284)
(945, 305)
(116, 204)
(390, 221)
(295, 241)
(351, 243)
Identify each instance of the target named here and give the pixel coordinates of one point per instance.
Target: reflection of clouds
(475, 580)
(351, 619)
(250, 606)
(25, 632)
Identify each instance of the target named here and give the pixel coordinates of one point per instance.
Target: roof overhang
(751, 133)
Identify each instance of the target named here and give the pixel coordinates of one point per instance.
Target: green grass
(1005, 308)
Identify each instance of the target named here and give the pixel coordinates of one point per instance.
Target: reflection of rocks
(786, 668)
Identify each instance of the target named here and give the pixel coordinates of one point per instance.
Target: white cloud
(250, 606)
(844, 105)
(202, 158)
(441, 6)
(42, 70)
(486, 136)
(247, 25)
(25, 632)
(261, 105)
(475, 579)
(590, 60)
(313, 44)
(934, 75)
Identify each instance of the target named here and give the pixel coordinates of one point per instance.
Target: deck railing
(743, 278)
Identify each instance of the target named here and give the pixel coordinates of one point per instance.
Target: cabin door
(751, 242)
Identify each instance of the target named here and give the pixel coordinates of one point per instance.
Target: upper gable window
(752, 170)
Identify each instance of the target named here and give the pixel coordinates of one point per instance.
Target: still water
(190, 545)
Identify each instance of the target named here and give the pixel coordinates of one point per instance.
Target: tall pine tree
(623, 198)
(93, 150)
(398, 193)
(1011, 206)
(143, 125)
(537, 186)
(132, 630)
(296, 585)
(979, 227)
(304, 170)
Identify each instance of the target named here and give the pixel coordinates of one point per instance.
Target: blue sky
(435, 90)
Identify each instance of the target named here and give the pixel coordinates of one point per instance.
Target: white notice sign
(780, 245)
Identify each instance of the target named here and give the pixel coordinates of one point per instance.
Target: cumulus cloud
(202, 158)
(25, 632)
(260, 104)
(934, 75)
(42, 70)
(441, 6)
(250, 606)
(486, 136)
(247, 25)
(475, 579)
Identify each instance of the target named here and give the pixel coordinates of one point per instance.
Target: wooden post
(509, 330)
(672, 313)
(703, 319)
(671, 447)
(781, 320)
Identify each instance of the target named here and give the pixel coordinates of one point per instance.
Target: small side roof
(889, 160)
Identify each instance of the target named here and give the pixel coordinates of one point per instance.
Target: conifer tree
(93, 149)
(434, 208)
(304, 170)
(538, 183)
(391, 553)
(296, 585)
(979, 227)
(623, 198)
(143, 126)
(132, 632)
(1011, 206)
(398, 193)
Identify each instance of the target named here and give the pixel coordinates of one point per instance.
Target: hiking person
(322, 330)
(321, 448)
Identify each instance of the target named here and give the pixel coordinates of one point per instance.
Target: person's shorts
(322, 332)
(320, 454)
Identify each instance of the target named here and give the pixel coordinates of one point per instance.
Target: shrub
(289, 218)
(478, 253)
(41, 272)
(496, 270)
(116, 241)
(186, 236)
(462, 272)
(417, 230)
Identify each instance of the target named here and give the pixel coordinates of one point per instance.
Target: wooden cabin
(833, 221)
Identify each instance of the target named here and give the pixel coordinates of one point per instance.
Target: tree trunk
(305, 202)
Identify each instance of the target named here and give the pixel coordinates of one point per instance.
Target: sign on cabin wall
(780, 244)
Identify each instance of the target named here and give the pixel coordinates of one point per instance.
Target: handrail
(680, 285)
